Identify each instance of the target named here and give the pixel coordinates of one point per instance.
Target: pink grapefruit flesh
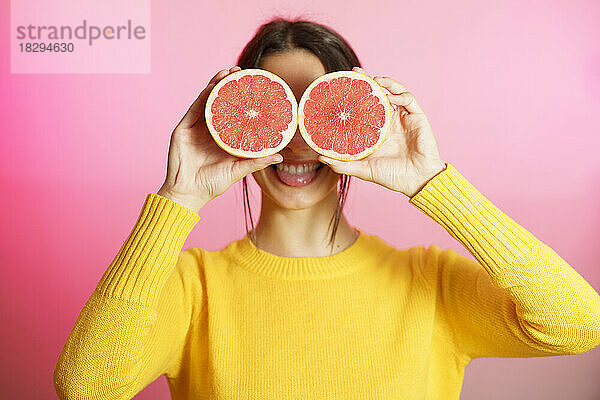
(344, 115)
(251, 113)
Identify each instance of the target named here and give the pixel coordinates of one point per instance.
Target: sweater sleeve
(134, 324)
(521, 299)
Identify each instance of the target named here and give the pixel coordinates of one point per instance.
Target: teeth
(300, 169)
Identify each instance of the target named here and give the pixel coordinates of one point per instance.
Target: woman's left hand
(408, 157)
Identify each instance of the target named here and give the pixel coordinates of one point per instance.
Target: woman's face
(300, 181)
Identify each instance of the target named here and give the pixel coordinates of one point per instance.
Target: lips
(297, 173)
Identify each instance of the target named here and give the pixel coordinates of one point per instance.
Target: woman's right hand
(198, 170)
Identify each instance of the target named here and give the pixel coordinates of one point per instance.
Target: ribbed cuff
(492, 237)
(150, 252)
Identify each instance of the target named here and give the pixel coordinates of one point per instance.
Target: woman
(306, 305)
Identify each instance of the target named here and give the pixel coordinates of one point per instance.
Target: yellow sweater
(370, 322)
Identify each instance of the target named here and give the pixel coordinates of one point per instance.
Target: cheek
(259, 178)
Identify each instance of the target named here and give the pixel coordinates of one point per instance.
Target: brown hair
(280, 35)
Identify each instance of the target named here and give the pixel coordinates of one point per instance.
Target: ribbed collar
(359, 254)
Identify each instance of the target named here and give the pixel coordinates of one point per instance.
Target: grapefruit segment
(251, 113)
(344, 115)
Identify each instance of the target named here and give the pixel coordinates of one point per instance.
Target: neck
(302, 232)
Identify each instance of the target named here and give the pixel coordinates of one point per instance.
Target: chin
(301, 190)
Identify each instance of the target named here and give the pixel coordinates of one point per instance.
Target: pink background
(512, 90)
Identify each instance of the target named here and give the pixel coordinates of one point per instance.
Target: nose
(298, 145)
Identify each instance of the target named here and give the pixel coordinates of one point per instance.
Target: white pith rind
(377, 91)
(288, 134)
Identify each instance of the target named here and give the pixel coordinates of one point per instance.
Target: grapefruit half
(344, 115)
(251, 113)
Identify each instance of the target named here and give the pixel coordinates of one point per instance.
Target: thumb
(243, 167)
(358, 168)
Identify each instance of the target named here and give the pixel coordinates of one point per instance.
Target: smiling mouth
(297, 174)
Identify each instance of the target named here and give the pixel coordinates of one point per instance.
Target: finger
(359, 69)
(390, 84)
(358, 168)
(220, 75)
(244, 167)
(406, 100)
(381, 84)
(195, 111)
